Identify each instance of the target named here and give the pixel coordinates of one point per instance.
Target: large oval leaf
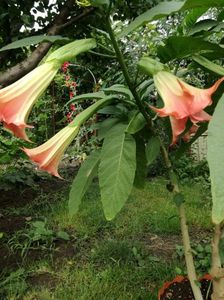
(116, 170)
(82, 181)
(215, 158)
(136, 123)
(152, 150)
(192, 17)
(119, 89)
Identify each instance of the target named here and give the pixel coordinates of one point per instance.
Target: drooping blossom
(48, 155)
(182, 101)
(17, 99)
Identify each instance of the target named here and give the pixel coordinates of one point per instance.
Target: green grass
(112, 259)
(151, 209)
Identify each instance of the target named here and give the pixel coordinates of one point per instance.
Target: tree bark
(22, 68)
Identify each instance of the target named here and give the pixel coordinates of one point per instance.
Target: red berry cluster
(65, 66)
(71, 89)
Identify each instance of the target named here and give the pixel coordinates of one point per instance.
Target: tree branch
(86, 12)
(22, 68)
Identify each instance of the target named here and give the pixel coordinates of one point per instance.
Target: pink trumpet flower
(182, 101)
(48, 155)
(17, 99)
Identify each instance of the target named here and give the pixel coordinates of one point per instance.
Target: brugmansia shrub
(130, 139)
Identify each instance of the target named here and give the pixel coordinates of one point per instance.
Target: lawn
(47, 255)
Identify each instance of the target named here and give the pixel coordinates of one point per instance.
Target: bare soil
(182, 290)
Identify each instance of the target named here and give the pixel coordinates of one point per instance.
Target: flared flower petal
(178, 127)
(48, 155)
(182, 101)
(17, 99)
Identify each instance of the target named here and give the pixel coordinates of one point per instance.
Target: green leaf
(109, 110)
(63, 235)
(152, 150)
(203, 25)
(209, 64)
(215, 159)
(161, 10)
(5, 158)
(88, 112)
(136, 124)
(82, 181)
(202, 3)
(105, 126)
(120, 89)
(32, 40)
(166, 8)
(141, 164)
(183, 46)
(218, 29)
(192, 16)
(96, 95)
(117, 169)
(221, 16)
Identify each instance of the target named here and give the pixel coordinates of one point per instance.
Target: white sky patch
(37, 14)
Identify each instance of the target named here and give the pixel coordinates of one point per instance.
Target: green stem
(124, 68)
(172, 175)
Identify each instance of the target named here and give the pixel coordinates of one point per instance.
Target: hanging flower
(178, 126)
(17, 99)
(48, 155)
(182, 101)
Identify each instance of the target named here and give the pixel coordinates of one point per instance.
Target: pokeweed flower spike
(181, 100)
(48, 155)
(17, 99)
